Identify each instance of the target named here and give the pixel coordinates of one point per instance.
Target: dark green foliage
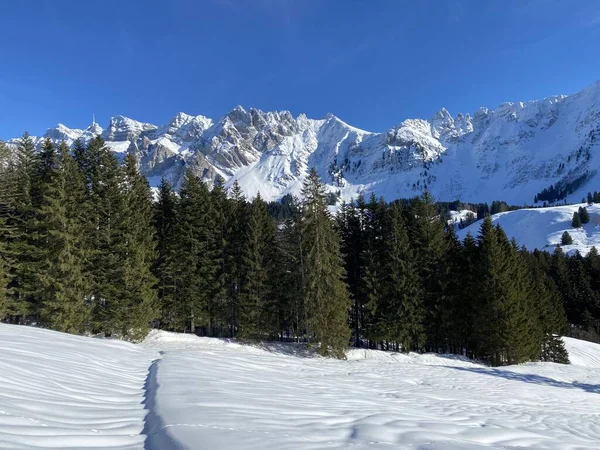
(257, 305)
(566, 239)
(165, 226)
(584, 216)
(138, 293)
(326, 301)
(399, 314)
(199, 254)
(62, 273)
(576, 222)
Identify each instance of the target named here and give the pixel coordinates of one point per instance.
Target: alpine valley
(510, 153)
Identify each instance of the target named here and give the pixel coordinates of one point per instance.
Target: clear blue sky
(371, 62)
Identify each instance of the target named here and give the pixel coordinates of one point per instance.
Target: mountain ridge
(511, 152)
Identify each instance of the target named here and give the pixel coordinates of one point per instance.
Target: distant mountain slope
(508, 153)
(542, 228)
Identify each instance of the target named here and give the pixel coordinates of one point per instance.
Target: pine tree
(505, 329)
(584, 215)
(23, 248)
(402, 315)
(105, 236)
(576, 222)
(430, 247)
(327, 301)
(258, 312)
(165, 224)
(218, 303)
(199, 255)
(62, 215)
(138, 293)
(237, 215)
(566, 239)
(7, 230)
(351, 223)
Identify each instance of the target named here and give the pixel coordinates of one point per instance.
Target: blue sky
(373, 63)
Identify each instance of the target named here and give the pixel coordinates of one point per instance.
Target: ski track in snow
(216, 394)
(179, 391)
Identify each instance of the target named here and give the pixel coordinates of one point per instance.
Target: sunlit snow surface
(542, 228)
(213, 394)
(59, 391)
(67, 392)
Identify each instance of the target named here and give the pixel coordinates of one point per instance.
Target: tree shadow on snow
(531, 378)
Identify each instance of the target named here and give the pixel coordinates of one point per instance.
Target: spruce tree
(199, 255)
(218, 303)
(237, 224)
(576, 222)
(566, 239)
(430, 247)
(138, 293)
(165, 225)
(106, 237)
(584, 215)
(62, 272)
(327, 300)
(402, 316)
(7, 230)
(23, 246)
(258, 311)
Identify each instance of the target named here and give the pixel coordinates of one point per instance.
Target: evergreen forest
(87, 247)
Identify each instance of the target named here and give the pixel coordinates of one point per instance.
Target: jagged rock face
(509, 153)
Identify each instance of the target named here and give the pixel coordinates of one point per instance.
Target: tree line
(84, 247)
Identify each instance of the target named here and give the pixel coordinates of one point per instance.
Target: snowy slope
(69, 392)
(509, 153)
(220, 395)
(542, 228)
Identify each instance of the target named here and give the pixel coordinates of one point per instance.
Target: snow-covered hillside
(542, 228)
(509, 153)
(179, 391)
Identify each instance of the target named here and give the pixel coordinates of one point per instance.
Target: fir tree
(576, 222)
(429, 242)
(138, 294)
(327, 300)
(23, 246)
(402, 316)
(566, 239)
(199, 256)
(62, 275)
(105, 236)
(237, 214)
(165, 223)
(258, 312)
(584, 216)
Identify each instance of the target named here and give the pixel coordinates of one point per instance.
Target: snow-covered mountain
(509, 153)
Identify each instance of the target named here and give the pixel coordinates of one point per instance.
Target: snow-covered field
(542, 228)
(220, 395)
(69, 392)
(61, 391)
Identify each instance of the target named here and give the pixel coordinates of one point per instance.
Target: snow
(542, 228)
(181, 391)
(281, 396)
(70, 392)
